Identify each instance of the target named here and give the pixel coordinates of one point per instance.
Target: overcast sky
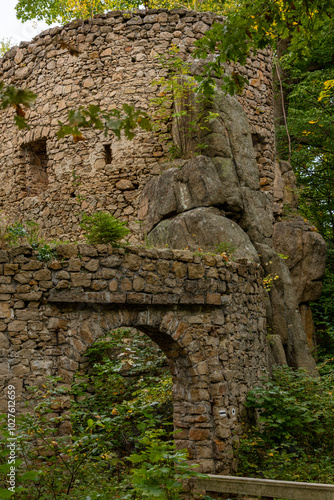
(10, 27)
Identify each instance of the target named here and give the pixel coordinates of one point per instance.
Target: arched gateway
(206, 314)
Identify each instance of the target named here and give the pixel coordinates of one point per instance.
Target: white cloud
(10, 27)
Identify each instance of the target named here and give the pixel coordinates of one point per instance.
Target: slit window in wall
(36, 160)
(107, 153)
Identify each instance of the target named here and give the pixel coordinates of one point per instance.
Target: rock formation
(304, 247)
(215, 198)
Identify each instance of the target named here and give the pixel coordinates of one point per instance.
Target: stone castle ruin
(217, 326)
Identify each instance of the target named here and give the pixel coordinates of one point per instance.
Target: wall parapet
(132, 275)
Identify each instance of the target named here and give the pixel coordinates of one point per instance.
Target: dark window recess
(107, 153)
(36, 166)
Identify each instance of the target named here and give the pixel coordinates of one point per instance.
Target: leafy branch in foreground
(16, 97)
(161, 468)
(115, 121)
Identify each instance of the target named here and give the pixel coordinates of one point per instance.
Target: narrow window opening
(107, 153)
(36, 166)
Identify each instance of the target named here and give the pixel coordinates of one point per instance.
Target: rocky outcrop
(285, 196)
(303, 248)
(217, 198)
(202, 182)
(306, 256)
(306, 253)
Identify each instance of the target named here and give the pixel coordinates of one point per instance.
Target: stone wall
(206, 314)
(51, 181)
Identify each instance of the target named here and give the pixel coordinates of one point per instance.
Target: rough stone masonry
(206, 314)
(51, 181)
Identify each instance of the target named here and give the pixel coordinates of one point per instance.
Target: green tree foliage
(160, 469)
(5, 45)
(63, 11)
(323, 313)
(308, 88)
(294, 436)
(311, 126)
(252, 25)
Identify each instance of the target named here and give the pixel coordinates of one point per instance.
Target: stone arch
(207, 314)
(186, 357)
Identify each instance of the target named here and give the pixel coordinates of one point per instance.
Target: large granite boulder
(201, 182)
(306, 252)
(203, 228)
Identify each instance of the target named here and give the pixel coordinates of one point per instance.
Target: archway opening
(123, 379)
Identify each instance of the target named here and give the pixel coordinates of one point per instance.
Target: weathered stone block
(99, 285)
(106, 273)
(31, 296)
(198, 434)
(42, 275)
(23, 278)
(4, 342)
(62, 284)
(112, 261)
(179, 269)
(17, 326)
(192, 299)
(92, 265)
(67, 251)
(132, 262)
(74, 264)
(63, 275)
(138, 298)
(3, 256)
(5, 310)
(195, 271)
(27, 314)
(165, 298)
(125, 285)
(81, 279)
(41, 366)
(113, 285)
(10, 269)
(54, 265)
(87, 250)
(213, 298)
(138, 284)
